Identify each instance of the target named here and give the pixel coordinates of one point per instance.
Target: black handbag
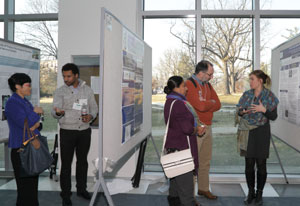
(34, 153)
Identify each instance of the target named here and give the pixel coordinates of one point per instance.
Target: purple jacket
(181, 125)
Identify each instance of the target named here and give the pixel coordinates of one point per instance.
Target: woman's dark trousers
(27, 187)
(261, 175)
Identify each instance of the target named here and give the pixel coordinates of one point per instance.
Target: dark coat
(259, 138)
(181, 125)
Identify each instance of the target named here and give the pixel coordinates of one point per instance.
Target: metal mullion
(168, 14)
(33, 17)
(198, 31)
(9, 8)
(256, 36)
(139, 17)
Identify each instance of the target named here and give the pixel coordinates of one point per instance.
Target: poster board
(285, 73)
(17, 58)
(125, 93)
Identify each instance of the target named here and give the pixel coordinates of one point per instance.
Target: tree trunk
(226, 79)
(232, 82)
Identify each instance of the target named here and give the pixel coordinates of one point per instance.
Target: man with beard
(75, 108)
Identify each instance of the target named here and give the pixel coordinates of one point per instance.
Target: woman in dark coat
(182, 124)
(257, 107)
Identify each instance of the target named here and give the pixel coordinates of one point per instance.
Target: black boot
(250, 178)
(251, 196)
(174, 201)
(258, 198)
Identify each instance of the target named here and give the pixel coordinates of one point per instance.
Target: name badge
(77, 106)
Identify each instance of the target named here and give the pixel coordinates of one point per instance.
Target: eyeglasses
(210, 75)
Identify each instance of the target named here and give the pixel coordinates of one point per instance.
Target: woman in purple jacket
(17, 109)
(182, 123)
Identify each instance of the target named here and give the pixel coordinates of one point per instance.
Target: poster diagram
(132, 85)
(289, 85)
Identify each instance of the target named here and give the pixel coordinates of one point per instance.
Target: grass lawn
(49, 124)
(225, 99)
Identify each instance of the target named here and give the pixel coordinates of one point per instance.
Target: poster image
(132, 85)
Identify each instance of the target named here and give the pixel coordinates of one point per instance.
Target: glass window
(273, 33)
(280, 5)
(39, 34)
(35, 34)
(169, 5)
(1, 7)
(227, 43)
(227, 4)
(36, 6)
(2, 30)
(169, 57)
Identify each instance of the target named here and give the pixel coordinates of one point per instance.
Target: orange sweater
(200, 98)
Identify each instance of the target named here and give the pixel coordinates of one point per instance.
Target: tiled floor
(157, 185)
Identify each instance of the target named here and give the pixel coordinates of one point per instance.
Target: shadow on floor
(50, 198)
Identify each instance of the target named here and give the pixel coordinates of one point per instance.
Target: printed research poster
(289, 84)
(132, 85)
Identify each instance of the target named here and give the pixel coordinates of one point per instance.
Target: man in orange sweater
(205, 101)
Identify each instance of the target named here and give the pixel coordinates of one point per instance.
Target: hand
(258, 108)
(87, 118)
(35, 126)
(243, 111)
(58, 111)
(201, 130)
(38, 110)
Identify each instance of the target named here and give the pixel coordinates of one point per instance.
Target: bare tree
(226, 42)
(292, 33)
(174, 62)
(41, 34)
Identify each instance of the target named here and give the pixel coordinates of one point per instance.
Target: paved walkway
(216, 130)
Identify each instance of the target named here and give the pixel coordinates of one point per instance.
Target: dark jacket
(16, 110)
(181, 125)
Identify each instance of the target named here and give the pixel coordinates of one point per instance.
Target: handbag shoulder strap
(26, 128)
(167, 127)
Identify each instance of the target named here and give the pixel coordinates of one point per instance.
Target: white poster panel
(289, 84)
(17, 58)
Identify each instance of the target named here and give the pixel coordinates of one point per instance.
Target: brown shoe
(207, 194)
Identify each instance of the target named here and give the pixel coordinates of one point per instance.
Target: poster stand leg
(101, 182)
(137, 175)
(279, 160)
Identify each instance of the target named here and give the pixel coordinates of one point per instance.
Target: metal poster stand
(100, 183)
(279, 160)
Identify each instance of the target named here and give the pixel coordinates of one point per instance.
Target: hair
(18, 79)
(261, 75)
(173, 82)
(202, 66)
(70, 66)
